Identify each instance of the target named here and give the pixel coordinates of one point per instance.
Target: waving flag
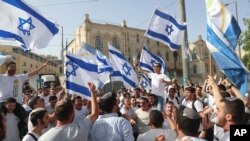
(222, 48)
(123, 70)
(24, 24)
(87, 52)
(166, 29)
(145, 83)
(104, 68)
(148, 60)
(224, 20)
(79, 73)
(4, 58)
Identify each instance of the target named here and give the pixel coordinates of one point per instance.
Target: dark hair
(107, 102)
(144, 98)
(63, 110)
(10, 63)
(157, 64)
(152, 95)
(10, 100)
(188, 126)
(52, 97)
(191, 89)
(222, 87)
(156, 118)
(236, 108)
(76, 98)
(37, 114)
(33, 101)
(2, 128)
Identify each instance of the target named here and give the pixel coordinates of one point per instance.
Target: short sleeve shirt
(11, 86)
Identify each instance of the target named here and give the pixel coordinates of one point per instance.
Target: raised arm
(94, 106)
(34, 72)
(215, 90)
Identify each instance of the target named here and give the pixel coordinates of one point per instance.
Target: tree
(244, 42)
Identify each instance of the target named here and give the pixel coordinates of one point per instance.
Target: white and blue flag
(145, 83)
(166, 29)
(222, 49)
(22, 23)
(79, 73)
(148, 59)
(122, 69)
(4, 58)
(218, 14)
(87, 52)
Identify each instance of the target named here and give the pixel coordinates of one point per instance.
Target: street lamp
(236, 16)
(62, 46)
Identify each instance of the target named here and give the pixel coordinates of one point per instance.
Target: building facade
(28, 61)
(128, 40)
(199, 67)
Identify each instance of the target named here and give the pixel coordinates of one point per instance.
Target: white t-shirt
(11, 86)
(12, 132)
(226, 136)
(75, 131)
(81, 114)
(158, 87)
(28, 137)
(170, 135)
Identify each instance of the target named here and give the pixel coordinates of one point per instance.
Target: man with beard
(11, 86)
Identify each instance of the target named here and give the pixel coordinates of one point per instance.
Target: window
(206, 67)
(98, 43)
(167, 56)
(137, 38)
(194, 57)
(195, 69)
(31, 65)
(157, 43)
(115, 43)
(148, 41)
(159, 53)
(24, 63)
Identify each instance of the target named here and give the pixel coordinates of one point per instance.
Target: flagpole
(184, 61)
(211, 65)
(140, 47)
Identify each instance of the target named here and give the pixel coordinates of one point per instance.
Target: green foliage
(244, 42)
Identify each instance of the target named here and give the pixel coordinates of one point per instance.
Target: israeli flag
(79, 73)
(166, 29)
(226, 58)
(24, 24)
(224, 20)
(148, 60)
(104, 68)
(4, 58)
(122, 69)
(145, 83)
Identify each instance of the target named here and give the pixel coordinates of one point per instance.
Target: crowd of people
(169, 112)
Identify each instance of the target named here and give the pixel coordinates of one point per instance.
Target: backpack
(178, 102)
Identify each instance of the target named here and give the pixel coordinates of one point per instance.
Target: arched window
(167, 56)
(137, 38)
(98, 43)
(115, 43)
(194, 57)
(157, 43)
(206, 67)
(195, 69)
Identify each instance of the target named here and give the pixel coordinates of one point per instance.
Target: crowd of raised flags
(24, 24)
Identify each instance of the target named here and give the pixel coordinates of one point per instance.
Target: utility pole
(183, 45)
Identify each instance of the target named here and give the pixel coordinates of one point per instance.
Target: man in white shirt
(158, 83)
(156, 121)
(11, 86)
(66, 129)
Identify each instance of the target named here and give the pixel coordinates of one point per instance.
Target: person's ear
(229, 117)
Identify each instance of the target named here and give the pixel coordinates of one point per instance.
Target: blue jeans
(160, 103)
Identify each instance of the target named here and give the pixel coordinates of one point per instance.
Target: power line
(66, 3)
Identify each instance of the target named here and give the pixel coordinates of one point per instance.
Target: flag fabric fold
(122, 69)
(145, 83)
(148, 59)
(222, 49)
(166, 29)
(218, 14)
(79, 72)
(24, 24)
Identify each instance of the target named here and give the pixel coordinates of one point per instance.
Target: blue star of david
(152, 62)
(169, 29)
(144, 84)
(73, 71)
(26, 25)
(126, 69)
